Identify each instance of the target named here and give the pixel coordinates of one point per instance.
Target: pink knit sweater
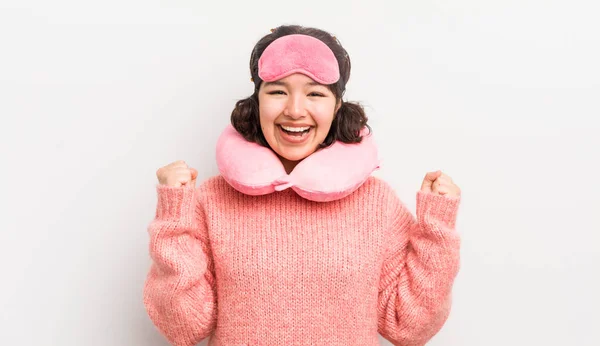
(282, 270)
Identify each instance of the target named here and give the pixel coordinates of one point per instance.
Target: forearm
(417, 278)
(179, 293)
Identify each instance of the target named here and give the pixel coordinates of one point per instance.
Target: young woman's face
(295, 116)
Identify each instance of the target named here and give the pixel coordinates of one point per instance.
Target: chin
(296, 155)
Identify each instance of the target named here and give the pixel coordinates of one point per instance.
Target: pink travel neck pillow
(326, 175)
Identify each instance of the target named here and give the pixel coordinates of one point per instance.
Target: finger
(194, 176)
(426, 185)
(186, 177)
(435, 187)
(178, 163)
(444, 179)
(442, 191)
(449, 190)
(429, 179)
(179, 177)
(432, 176)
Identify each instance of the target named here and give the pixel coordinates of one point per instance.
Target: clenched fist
(177, 174)
(440, 184)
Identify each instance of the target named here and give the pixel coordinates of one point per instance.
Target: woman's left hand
(440, 184)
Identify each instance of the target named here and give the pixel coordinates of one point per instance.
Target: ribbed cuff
(431, 206)
(175, 203)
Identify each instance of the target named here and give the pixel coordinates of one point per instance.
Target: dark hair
(350, 118)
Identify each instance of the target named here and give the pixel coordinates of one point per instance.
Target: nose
(295, 107)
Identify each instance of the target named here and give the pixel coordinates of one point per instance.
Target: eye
(276, 92)
(316, 94)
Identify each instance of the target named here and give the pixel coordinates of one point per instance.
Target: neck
(288, 165)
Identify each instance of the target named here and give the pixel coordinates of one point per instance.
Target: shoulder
(383, 192)
(213, 188)
(378, 183)
(214, 195)
(212, 183)
(377, 186)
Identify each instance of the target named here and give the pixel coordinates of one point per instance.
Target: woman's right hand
(177, 174)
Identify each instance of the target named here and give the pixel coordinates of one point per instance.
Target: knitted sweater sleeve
(179, 293)
(418, 271)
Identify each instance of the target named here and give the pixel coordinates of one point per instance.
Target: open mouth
(295, 135)
(295, 131)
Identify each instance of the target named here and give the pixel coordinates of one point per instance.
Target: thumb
(194, 176)
(430, 177)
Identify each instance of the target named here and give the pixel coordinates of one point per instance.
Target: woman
(277, 267)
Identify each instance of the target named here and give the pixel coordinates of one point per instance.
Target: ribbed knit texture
(282, 270)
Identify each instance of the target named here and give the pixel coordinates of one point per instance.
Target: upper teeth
(295, 129)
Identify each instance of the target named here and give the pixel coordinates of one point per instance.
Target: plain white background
(503, 96)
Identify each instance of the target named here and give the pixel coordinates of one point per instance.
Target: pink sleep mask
(298, 53)
(328, 174)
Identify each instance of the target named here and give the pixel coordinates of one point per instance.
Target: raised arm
(422, 260)
(180, 293)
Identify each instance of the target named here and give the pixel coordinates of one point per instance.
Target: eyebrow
(278, 82)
